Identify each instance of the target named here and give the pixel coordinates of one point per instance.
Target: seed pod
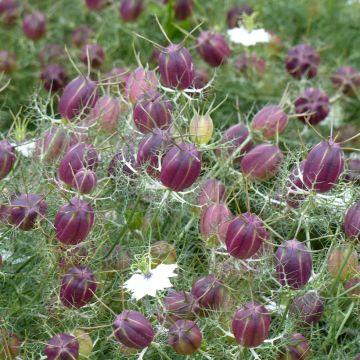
(74, 221)
(80, 35)
(152, 111)
(346, 79)
(183, 9)
(293, 263)
(96, 4)
(133, 330)
(251, 325)
(7, 62)
(180, 305)
(213, 48)
(7, 158)
(181, 166)
(250, 64)
(353, 285)
(92, 54)
(9, 344)
(302, 61)
(270, 121)
(26, 209)
(79, 95)
(262, 162)
(117, 76)
(9, 11)
(53, 77)
(176, 67)
(34, 25)
(85, 181)
(201, 129)
(307, 309)
(323, 167)
(209, 292)
(184, 337)
(211, 191)
(51, 54)
(79, 156)
(77, 287)
(342, 263)
(62, 347)
(294, 184)
(353, 170)
(162, 252)
(130, 10)
(352, 221)
(51, 145)
(85, 343)
(297, 348)
(119, 259)
(201, 78)
(245, 235)
(123, 161)
(236, 13)
(312, 106)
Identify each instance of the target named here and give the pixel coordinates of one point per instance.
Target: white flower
(147, 284)
(248, 38)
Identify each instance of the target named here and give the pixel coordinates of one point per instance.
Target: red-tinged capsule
(176, 67)
(180, 305)
(34, 25)
(346, 79)
(133, 330)
(352, 221)
(251, 325)
(295, 185)
(213, 48)
(262, 162)
(74, 221)
(244, 235)
(9, 11)
(152, 111)
(270, 121)
(130, 10)
(184, 337)
(26, 210)
(7, 62)
(250, 64)
(342, 263)
(323, 167)
(201, 78)
(51, 54)
(7, 158)
(10, 344)
(92, 54)
(293, 263)
(96, 5)
(54, 77)
(51, 145)
(312, 106)
(62, 347)
(81, 35)
(181, 166)
(211, 191)
(77, 287)
(85, 181)
(235, 14)
(124, 161)
(302, 61)
(297, 348)
(183, 9)
(78, 97)
(353, 170)
(117, 76)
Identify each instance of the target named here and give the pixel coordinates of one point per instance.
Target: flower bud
(62, 347)
(213, 48)
(85, 343)
(34, 25)
(92, 54)
(346, 79)
(133, 330)
(96, 4)
(184, 337)
(7, 62)
(352, 221)
(85, 181)
(9, 344)
(130, 10)
(250, 64)
(211, 191)
(183, 9)
(262, 162)
(123, 161)
(162, 252)
(7, 158)
(80, 36)
(323, 167)
(176, 67)
(293, 264)
(181, 166)
(53, 77)
(180, 305)
(139, 82)
(297, 348)
(235, 14)
(201, 129)
(342, 263)
(74, 221)
(251, 325)
(295, 184)
(312, 106)
(245, 235)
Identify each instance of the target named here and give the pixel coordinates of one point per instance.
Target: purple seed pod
(293, 263)
(77, 157)
(180, 305)
(7, 158)
(302, 61)
(353, 167)
(130, 10)
(236, 13)
(209, 292)
(10, 344)
(74, 221)
(181, 166)
(270, 121)
(81, 35)
(139, 82)
(119, 259)
(96, 5)
(176, 67)
(85, 181)
(211, 191)
(124, 161)
(184, 337)
(353, 285)
(79, 95)
(54, 77)
(250, 63)
(62, 347)
(346, 79)
(352, 221)
(92, 54)
(297, 348)
(51, 145)
(307, 309)
(342, 263)
(151, 149)
(34, 25)
(117, 76)
(51, 54)
(7, 62)
(312, 106)
(323, 167)
(151, 111)
(183, 9)
(9, 11)
(213, 48)
(201, 78)
(133, 330)
(245, 235)
(26, 209)
(262, 162)
(295, 184)
(251, 325)
(77, 287)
